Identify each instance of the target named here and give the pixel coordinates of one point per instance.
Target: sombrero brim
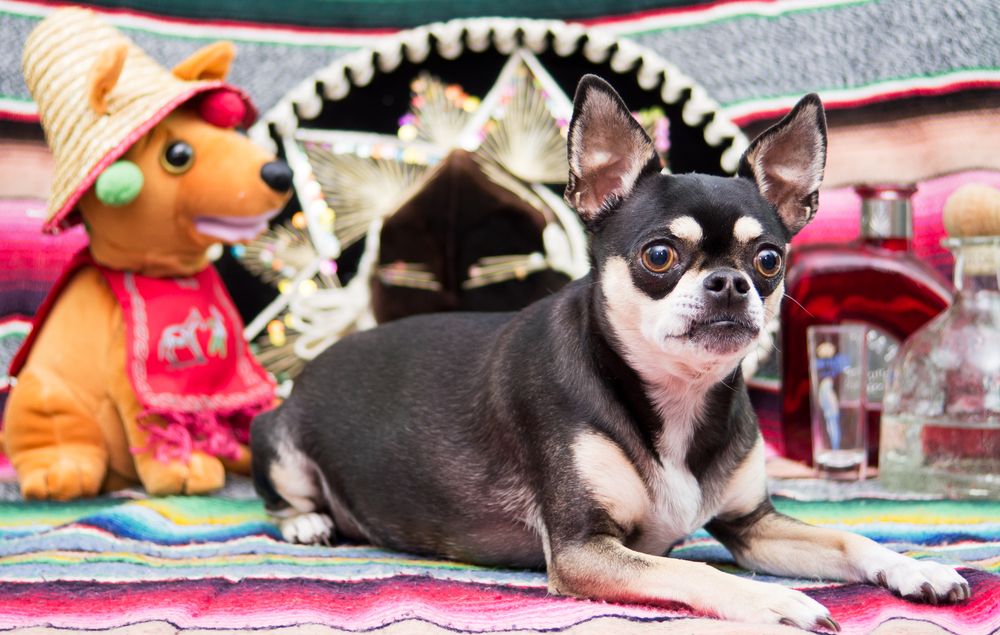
(62, 208)
(58, 57)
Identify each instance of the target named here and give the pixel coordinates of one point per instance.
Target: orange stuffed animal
(136, 370)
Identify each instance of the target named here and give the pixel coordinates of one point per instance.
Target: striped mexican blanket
(216, 563)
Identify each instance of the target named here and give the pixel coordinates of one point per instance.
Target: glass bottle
(876, 280)
(941, 421)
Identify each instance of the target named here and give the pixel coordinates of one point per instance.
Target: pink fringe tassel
(205, 432)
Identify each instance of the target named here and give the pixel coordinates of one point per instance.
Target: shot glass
(838, 364)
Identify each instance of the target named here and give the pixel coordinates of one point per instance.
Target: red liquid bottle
(875, 279)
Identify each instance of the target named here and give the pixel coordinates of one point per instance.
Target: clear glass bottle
(941, 412)
(876, 280)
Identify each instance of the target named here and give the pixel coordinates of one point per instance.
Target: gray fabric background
(736, 59)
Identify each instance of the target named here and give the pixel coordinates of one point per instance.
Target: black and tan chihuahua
(595, 429)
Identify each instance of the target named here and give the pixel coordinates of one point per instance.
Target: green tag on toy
(119, 184)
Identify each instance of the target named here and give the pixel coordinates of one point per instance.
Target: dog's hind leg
(767, 541)
(288, 481)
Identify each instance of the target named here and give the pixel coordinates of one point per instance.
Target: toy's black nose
(727, 286)
(277, 175)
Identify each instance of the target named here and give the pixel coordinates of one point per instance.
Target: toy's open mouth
(233, 229)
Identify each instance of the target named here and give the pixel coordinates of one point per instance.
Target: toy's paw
(307, 529)
(929, 582)
(772, 604)
(240, 465)
(202, 473)
(62, 478)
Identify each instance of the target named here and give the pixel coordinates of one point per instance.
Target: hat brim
(67, 215)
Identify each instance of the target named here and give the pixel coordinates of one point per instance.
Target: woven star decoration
(350, 184)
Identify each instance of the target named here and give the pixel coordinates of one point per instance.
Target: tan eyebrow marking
(747, 229)
(686, 228)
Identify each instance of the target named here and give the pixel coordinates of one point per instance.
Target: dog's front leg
(767, 541)
(601, 567)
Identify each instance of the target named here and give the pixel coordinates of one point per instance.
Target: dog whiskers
(785, 295)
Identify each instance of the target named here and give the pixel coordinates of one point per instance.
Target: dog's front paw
(929, 582)
(307, 529)
(766, 603)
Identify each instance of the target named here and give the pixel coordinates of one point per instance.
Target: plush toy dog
(136, 369)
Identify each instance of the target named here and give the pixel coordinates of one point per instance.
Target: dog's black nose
(277, 175)
(727, 286)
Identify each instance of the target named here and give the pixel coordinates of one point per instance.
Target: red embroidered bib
(185, 357)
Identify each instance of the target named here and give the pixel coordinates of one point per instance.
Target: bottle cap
(972, 210)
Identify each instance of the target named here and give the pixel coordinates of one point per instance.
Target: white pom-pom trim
(477, 34)
(718, 130)
(417, 43)
(731, 156)
(335, 82)
(698, 106)
(449, 38)
(506, 34)
(567, 38)
(308, 104)
(536, 35)
(390, 55)
(362, 67)
(598, 47)
(626, 56)
(651, 72)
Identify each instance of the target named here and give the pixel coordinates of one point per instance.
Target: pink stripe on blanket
(458, 606)
(29, 258)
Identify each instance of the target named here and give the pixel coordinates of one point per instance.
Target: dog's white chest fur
(677, 375)
(666, 503)
(675, 512)
(677, 503)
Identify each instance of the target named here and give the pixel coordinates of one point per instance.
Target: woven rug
(217, 563)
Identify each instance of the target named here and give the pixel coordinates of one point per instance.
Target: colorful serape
(29, 265)
(218, 563)
(29, 261)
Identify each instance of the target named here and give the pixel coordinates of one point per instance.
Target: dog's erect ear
(787, 162)
(209, 62)
(608, 150)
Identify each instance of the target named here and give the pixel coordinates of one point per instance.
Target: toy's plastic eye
(768, 262)
(659, 257)
(177, 157)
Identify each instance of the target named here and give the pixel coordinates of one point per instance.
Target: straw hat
(58, 55)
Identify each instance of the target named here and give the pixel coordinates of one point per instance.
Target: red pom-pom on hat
(222, 108)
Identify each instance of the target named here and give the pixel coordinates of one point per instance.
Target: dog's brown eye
(177, 157)
(768, 262)
(658, 258)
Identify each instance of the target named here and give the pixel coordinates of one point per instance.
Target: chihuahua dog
(595, 429)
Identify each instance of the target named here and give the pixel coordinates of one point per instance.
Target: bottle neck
(977, 264)
(887, 222)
